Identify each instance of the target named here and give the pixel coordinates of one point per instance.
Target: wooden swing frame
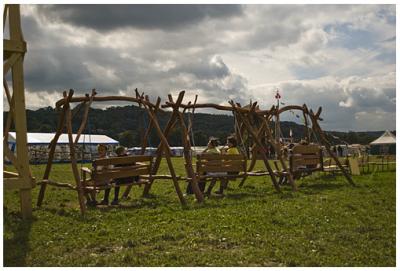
(246, 116)
(65, 122)
(285, 172)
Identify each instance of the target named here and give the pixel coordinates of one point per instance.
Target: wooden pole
(53, 145)
(17, 50)
(84, 118)
(74, 165)
(307, 130)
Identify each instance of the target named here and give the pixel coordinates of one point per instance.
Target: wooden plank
(9, 174)
(10, 62)
(220, 168)
(305, 156)
(57, 184)
(224, 176)
(16, 183)
(128, 168)
(354, 168)
(305, 149)
(304, 162)
(113, 185)
(120, 174)
(212, 156)
(221, 162)
(122, 160)
(14, 46)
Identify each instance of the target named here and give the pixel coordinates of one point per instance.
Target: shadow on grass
(319, 186)
(16, 248)
(243, 195)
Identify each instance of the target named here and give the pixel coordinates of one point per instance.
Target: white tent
(386, 138)
(38, 143)
(46, 138)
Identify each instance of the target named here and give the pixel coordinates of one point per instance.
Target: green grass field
(326, 223)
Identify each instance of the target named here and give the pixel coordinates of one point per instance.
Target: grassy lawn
(326, 223)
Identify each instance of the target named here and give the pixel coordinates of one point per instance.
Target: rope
(190, 122)
(145, 126)
(90, 138)
(236, 123)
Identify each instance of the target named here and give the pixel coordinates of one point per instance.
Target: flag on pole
(277, 96)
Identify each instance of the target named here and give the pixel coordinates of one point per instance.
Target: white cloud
(339, 57)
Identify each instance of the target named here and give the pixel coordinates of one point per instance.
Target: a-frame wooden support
(65, 122)
(176, 117)
(245, 119)
(14, 50)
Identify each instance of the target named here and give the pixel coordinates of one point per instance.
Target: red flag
(277, 96)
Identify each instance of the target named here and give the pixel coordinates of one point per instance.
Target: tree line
(127, 124)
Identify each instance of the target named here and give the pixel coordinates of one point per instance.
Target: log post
(74, 165)
(53, 145)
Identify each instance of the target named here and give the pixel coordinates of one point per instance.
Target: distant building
(175, 151)
(385, 144)
(38, 146)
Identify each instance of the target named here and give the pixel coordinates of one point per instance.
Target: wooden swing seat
(217, 166)
(106, 170)
(305, 159)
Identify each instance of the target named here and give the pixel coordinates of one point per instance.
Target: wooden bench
(214, 166)
(305, 159)
(106, 170)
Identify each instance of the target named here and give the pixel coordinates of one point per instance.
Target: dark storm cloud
(109, 17)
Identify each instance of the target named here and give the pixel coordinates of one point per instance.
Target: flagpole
(277, 125)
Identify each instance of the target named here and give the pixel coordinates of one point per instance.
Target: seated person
(120, 151)
(91, 198)
(211, 148)
(231, 144)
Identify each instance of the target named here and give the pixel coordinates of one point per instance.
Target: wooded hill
(127, 124)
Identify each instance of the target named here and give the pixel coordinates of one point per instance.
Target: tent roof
(386, 138)
(45, 138)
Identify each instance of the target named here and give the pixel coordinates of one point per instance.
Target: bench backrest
(220, 163)
(121, 167)
(306, 157)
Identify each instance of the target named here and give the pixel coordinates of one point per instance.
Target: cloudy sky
(340, 57)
